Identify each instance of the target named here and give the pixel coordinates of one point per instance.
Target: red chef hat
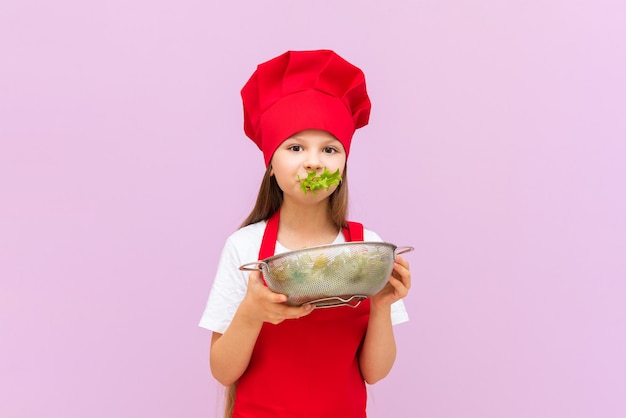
(301, 90)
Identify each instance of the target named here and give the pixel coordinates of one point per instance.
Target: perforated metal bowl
(329, 275)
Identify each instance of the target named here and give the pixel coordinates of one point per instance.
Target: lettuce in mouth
(312, 182)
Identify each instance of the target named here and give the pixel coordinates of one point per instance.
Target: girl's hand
(262, 305)
(397, 287)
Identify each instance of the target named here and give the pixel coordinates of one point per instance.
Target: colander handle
(254, 266)
(334, 301)
(402, 250)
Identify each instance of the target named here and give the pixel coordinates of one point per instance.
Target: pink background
(497, 148)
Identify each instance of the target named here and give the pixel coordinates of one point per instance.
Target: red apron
(306, 367)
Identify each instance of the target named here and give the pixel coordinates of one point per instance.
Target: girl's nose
(313, 162)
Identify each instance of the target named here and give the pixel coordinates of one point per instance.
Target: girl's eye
(295, 148)
(330, 150)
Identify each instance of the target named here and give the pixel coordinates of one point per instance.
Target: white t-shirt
(230, 285)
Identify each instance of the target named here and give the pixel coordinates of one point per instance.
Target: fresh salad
(316, 268)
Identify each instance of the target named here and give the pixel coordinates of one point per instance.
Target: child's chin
(322, 193)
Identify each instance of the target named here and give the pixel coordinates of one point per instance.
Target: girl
(301, 109)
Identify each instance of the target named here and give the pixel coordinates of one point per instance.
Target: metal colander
(329, 275)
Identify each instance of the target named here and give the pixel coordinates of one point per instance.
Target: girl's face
(309, 150)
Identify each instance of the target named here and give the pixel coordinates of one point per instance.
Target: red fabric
(270, 236)
(353, 232)
(301, 90)
(306, 367)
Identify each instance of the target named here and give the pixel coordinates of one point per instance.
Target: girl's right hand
(261, 304)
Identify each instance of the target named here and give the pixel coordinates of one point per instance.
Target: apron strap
(268, 244)
(353, 232)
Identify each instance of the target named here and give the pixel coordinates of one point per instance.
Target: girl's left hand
(398, 285)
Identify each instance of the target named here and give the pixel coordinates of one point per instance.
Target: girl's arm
(231, 351)
(379, 346)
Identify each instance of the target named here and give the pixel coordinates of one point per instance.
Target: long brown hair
(270, 198)
(229, 402)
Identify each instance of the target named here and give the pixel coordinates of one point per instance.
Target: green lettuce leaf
(313, 183)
